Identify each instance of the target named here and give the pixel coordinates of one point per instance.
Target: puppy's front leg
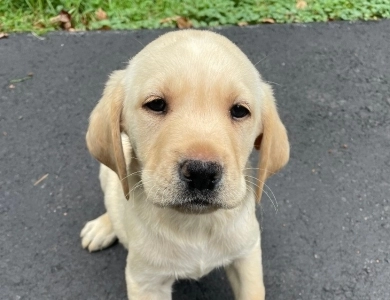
(246, 276)
(147, 287)
(98, 234)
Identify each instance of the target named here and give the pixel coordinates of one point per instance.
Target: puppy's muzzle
(200, 175)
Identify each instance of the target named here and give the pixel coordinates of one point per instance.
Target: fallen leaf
(268, 20)
(183, 22)
(37, 36)
(3, 35)
(29, 76)
(301, 4)
(169, 19)
(63, 19)
(41, 179)
(242, 23)
(101, 14)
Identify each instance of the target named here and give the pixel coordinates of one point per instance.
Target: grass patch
(35, 15)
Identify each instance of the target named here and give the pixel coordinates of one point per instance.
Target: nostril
(184, 172)
(217, 175)
(200, 175)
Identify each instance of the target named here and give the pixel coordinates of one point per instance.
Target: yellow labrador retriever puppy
(173, 132)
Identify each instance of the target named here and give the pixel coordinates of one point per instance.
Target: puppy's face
(193, 106)
(193, 117)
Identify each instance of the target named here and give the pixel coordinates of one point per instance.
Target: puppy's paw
(98, 234)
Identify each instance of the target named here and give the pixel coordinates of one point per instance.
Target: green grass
(34, 15)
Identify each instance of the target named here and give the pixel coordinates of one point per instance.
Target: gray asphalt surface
(330, 237)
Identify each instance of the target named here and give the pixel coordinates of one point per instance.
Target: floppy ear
(104, 131)
(272, 142)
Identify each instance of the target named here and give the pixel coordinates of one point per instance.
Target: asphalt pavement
(329, 237)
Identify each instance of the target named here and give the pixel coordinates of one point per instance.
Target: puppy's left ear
(104, 131)
(272, 142)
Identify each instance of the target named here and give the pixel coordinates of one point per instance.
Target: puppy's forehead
(200, 57)
(193, 43)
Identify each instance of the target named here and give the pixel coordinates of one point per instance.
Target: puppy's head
(194, 107)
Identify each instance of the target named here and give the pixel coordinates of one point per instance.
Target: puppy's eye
(238, 111)
(157, 105)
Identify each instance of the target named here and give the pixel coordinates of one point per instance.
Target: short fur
(200, 75)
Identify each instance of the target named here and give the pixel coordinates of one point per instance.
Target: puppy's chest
(194, 258)
(196, 261)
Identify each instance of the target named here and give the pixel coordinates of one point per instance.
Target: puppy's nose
(200, 175)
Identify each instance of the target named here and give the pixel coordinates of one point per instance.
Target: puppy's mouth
(196, 206)
(198, 187)
(200, 202)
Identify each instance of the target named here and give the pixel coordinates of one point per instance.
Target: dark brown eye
(238, 111)
(157, 105)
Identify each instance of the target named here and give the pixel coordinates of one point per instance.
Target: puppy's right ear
(104, 131)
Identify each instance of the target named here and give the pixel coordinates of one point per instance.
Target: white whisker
(273, 82)
(265, 186)
(275, 206)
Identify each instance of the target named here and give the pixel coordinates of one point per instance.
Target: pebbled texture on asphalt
(330, 236)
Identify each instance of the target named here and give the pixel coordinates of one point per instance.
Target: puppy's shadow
(214, 286)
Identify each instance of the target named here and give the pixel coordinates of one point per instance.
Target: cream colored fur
(200, 75)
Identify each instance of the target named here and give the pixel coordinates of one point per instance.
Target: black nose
(200, 175)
